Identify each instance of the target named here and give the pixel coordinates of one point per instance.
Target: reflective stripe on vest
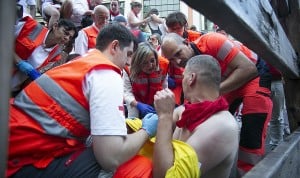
(224, 50)
(62, 120)
(254, 56)
(248, 52)
(50, 60)
(177, 77)
(250, 158)
(31, 35)
(155, 80)
(176, 72)
(35, 32)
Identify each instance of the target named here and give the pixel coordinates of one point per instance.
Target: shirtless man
(240, 82)
(212, 133)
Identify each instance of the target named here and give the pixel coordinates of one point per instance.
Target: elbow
(254, 72)
(251, 72)
(107, 161)
(109, 165)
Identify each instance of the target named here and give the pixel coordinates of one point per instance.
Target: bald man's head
(207, 69)
(176, 49)
(100, 15)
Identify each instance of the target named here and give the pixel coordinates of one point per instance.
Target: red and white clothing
(54, 114)
(257, 105)
(86, 39)
(30, 46)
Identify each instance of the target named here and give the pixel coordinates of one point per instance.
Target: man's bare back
(216, 147)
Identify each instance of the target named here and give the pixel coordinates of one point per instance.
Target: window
(164, 7)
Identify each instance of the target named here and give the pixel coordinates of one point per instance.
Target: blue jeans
(279, 120)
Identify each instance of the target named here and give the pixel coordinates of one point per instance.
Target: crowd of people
(93, 95)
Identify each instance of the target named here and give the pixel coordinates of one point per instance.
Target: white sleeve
(128, 95)
(18, 28)
(81, 43)
(79, 9)
(104, 91)
(31, 2)
(165, 82)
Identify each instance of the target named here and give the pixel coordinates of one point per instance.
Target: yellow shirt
(186, 163)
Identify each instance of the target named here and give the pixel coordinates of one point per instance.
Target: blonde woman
(146, 75)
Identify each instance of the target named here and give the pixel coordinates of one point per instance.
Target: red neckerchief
(197, 113)
(158, 48)
(113, 13)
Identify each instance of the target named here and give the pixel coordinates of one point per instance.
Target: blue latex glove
(24, 67)
(34, 74)
(149, 124)
(28, 69)
(171, 83)
(145, 108)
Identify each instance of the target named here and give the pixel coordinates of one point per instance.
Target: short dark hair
(207, 68)
(152, 11)
(135, 4)
(86, 21)
(114, 31)
(176, 17)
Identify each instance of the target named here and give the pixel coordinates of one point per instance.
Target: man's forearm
(237, 79)
(163, 156)
(112, 151)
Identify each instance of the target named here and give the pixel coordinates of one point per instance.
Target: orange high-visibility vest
(218, 46)
(248, 52)
(191, 35)
(50, 117)
(30, 37)
(146, 85)
(177, 74)
(91, 33)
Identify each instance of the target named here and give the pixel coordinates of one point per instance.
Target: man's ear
(114, 46)
(55, 26)
(192, 79)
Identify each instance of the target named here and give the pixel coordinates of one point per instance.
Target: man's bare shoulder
(216, 142)
(220, 126)
(227, 120)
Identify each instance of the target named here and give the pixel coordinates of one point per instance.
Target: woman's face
(149, 64)
(62, 35)
(137, 9)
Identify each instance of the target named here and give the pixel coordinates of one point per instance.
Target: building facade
(167, 6)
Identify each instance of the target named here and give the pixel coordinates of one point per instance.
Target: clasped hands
(164, 103)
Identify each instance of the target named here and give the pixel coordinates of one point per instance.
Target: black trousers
(82, 164)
